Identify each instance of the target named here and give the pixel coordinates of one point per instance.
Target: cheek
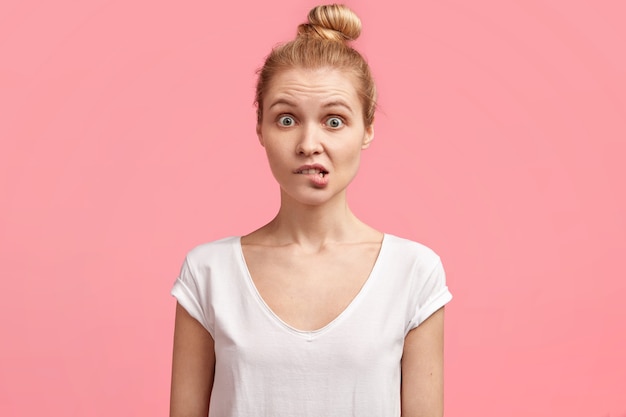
(275, 157)
(351, 152)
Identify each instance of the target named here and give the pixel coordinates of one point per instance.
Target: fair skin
(312, 259)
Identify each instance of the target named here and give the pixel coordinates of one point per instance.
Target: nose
(310, 141)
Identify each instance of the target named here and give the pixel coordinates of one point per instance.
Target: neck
(315, 225)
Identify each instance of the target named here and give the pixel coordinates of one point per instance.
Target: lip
(318, 167)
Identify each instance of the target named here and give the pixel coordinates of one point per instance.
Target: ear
(259, 134)
(368, 137)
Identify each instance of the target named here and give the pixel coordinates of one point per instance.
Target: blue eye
(286, 121)
(334, 122)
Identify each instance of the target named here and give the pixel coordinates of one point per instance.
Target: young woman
(315, 313)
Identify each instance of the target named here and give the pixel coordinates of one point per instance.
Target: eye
(286, 121)
(334, 122)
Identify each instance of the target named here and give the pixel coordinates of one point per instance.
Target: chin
(311, 197)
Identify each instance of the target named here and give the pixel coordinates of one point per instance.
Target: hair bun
(333, 22)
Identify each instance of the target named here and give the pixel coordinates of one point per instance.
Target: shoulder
(214, 250)
(411, 252)
(196, 284)
(207, 264)
(427, 291)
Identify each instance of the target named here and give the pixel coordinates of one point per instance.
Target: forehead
(313, 84)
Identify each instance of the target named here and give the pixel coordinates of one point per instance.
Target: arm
(422, 369)
(193, 367)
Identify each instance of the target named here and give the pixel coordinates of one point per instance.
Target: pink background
(128, 137)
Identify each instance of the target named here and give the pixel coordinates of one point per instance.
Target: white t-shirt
(350, 367)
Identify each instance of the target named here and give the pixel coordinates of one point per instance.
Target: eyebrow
(338, 103)
(334, 103)
(282, 101)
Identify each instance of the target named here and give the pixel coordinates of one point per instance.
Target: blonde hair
(322, 42)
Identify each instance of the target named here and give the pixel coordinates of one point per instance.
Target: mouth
(317, 170)
(313, 171)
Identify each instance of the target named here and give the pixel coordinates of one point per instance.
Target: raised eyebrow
(338, 103)
(282, 101)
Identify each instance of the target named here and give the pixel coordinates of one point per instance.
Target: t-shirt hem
(439, 300)
(185, 298)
